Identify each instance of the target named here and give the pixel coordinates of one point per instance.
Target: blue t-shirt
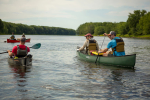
(113, 44)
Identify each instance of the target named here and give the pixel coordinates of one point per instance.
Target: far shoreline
(131, 36)
(124, 36)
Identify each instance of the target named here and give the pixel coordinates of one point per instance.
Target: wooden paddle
(100, 49)
(35, 46)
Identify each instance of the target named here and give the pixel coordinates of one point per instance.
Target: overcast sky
(68, 13)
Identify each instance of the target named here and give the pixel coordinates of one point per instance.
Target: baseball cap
(112, 33)
(23, 39)
(88, 35)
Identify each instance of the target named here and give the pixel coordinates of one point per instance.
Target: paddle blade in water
(36, 46)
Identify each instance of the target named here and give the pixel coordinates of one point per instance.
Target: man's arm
(103, 50)
(10, 53)
(97, 46)
(84, 45)
(105, 34)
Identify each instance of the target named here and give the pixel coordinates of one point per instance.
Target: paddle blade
(36, 46)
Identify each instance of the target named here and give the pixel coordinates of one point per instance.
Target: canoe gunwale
(107, 56)
(16, 41)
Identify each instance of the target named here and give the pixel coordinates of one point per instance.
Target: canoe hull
(24, 61)
(16, 41)
(124, 61)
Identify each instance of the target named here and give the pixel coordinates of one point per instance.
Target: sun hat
(112, 33)
(23, 39)
(88, 35)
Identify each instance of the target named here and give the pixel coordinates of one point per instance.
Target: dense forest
(8, 28)
(137, 24)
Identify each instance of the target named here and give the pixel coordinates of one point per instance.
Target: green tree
(143, 28)
(122, 28)
(99, 30)
(40, 30)
(1, 26)
(133, 20)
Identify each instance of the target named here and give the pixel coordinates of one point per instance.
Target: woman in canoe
(90, 44)
(23, 35)
(20, 50)
(116, 43)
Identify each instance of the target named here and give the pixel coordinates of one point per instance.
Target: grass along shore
(132, 36)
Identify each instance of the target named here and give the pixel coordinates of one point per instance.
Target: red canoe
(16, 41)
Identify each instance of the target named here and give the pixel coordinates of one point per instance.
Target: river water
(57, 74)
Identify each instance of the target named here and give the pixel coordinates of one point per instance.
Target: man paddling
(20, 50)
(12, 36)
(116, 43)
(90, 44)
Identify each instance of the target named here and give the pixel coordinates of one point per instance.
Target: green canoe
(123, 61)
(23, 61)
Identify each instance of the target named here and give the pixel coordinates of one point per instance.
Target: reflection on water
(20, 78)
(56, 73)
(101, 81)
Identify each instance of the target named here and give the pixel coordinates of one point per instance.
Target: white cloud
(21, 9)
(60, 5)
(120, 13)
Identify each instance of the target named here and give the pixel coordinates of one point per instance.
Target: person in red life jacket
(20, 50)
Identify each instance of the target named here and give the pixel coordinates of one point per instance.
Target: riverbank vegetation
(8, 27)
(137, 25)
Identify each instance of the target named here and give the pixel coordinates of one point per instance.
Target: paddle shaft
(36, 46)
(7, 52)
(100, 48)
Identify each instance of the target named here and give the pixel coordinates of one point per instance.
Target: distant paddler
(12, 36)
(23, 35)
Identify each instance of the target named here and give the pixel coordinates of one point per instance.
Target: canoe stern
(24, 61)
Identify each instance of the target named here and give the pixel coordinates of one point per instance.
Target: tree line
(8, 28)
(138, 23)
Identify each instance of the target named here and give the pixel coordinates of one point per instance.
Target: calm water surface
(57, 74)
